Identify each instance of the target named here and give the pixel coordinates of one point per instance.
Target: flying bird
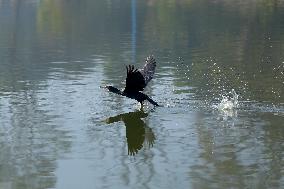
(136, 81)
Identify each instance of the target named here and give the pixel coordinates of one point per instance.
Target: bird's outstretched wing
(149, 69)
(137, 80)
(134, 80)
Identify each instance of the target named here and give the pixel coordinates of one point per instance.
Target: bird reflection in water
(137, 132)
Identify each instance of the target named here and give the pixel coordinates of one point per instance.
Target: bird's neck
(115, 90)
(130, 92)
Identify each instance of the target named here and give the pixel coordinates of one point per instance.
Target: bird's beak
(104, 87)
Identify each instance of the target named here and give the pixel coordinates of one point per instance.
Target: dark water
(59, 129)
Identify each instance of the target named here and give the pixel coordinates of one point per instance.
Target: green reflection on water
(137, 132)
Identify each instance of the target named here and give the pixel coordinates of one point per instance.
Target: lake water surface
(219, 79)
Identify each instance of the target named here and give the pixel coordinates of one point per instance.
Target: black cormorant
(136, 81)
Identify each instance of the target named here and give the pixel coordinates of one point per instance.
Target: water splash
(227, 107)
(229, 102)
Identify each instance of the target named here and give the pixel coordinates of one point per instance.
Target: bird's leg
(141, 106)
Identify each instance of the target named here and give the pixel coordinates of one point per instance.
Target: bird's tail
(152, 101)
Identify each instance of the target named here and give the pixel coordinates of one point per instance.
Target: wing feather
(148, 70)
(134, 80)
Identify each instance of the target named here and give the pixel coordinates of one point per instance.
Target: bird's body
(136, 81)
